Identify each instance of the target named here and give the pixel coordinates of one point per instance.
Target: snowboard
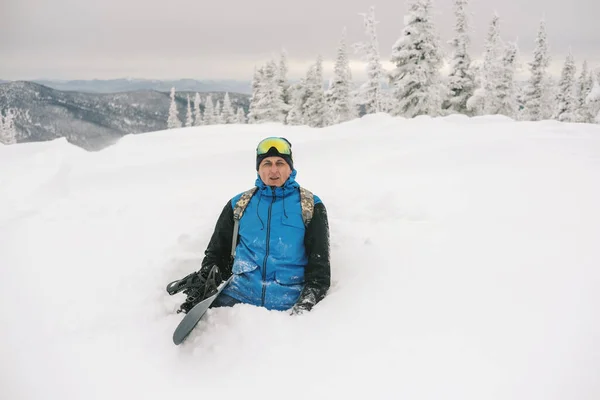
(194, 316)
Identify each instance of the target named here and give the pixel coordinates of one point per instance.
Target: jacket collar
(265, 190)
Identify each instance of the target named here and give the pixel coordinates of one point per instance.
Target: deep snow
(465, 262)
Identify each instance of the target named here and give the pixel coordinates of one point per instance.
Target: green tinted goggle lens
(280, 144)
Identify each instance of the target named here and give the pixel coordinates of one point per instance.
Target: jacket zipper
(264, 268)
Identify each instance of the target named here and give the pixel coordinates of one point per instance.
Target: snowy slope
(465, 265)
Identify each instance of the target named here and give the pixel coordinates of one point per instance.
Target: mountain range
(129, 85)
(94, 120)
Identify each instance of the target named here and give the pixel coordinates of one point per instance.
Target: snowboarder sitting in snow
(281, 257)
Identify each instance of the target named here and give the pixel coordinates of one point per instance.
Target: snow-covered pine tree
(506, 84)
(218, 111)
(173, 120)
(269, 105)
(370, 91)
(283, 82)
(227, 115)
(8, 131)
(492, 67)
(461, 82)
(485, 98)
(549, 88)
(592, 101)
(565, 98)
(532, 104)
(256, 94)
(339, 96)
(297, 97)
(314, 109)
(583, 89)
(197, 112)
(416, 54)
(209, 111)
(189, 119)
(475, 102)
(240, 116)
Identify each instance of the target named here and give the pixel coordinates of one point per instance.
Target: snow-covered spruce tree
(549, 89)
(592, 101)
(283, 82)
(269, 105)
(370, 91)
(240, 116)
(227, 115)
(565, 98)
(485, 99)
(218, 119)
(197, 112)
(256, 94)
(8, 131)
(583, 89)
(189, 119)
(532, 103)
(492, 69)
(339, 95)
(416, 54)
(209, 112)
(297, 93)
(505, 90)
(461, 82)
(314, 109)
(173, 120)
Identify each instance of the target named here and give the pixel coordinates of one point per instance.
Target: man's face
(274, 171)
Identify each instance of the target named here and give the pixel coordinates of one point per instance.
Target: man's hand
(301, 307)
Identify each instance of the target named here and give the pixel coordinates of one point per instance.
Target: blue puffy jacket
(278, 261)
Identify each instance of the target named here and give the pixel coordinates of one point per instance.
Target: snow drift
(465, 258)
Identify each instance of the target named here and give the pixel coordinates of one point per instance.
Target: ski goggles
(281, 145)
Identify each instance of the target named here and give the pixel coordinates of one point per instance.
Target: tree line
(415, 86)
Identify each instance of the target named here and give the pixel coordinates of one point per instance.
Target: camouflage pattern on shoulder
(307, 202)
(242, 203)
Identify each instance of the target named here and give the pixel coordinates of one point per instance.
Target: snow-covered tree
(314, 108)
(461, 82)
(583, 89)
(189, 119)
(416, 55)
(256, 94)
(370, 91)
(297, 97)
(592, 101)
(227, 115)
(173, 120)
(209, 111)
(505, 90)
(218, 111)
(240, 116)
(565, 98)
(485, 99)
(197, 112)
(268, 105)
(282, 80)
(8, 131)
(549, 88)
(340, 107)
(492, 68)
(532, 103)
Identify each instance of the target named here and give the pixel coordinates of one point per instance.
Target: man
(280, 262)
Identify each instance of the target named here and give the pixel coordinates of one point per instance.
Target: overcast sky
(225, 39)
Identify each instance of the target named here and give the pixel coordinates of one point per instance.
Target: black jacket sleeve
(218, 251)
(317, 274)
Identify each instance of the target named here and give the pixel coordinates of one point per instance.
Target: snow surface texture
(465, 263)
